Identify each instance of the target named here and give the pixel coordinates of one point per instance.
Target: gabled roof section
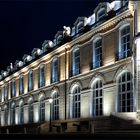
(79, 19)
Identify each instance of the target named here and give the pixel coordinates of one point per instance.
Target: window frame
(21, 113)
(76, 102)
(30, 81)
(6, 91)
(127, 51)
(21, 85)
(97, 98)
(124, 94)
(12, 114)
(55, 106)
(55, 70)
(42, 76)
(42, 109)
(79, 27)
(5, 116)
(103, 15)
(31, 111)
(13, 88)
(100, 54)
(76, 69)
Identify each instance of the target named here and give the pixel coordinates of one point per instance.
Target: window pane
(97, 98)
(125, 93)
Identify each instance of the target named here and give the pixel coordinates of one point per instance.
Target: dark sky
(25, 24)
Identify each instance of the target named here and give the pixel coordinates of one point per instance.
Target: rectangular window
(55, 70)
(21, 114)
(124, 50)
(13, 89)
(30, 81)
(6, 92)
(76, 62)
(21, 85)
(42, 76)
(97, 54)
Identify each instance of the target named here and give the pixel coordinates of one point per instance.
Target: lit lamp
(50, 101)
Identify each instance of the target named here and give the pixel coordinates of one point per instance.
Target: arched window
(42, 109)
(55, 106)
(76, 102)
(30, 81)
(125, 93)
(30, 111)
(124, 42)
(21, 85)
(98, 98)
(21, 113)
(55, 70)
(5, 116)
(6, 92)
(12, 114)
(13, 88)
(42, 75)
(76, 62)
(101, 13)
(97, 53)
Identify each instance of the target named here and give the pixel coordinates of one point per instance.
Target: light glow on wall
(16, 118)
(36, 114)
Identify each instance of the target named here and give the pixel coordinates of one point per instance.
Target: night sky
(25, 24)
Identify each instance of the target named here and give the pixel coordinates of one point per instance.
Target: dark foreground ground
(71, 137)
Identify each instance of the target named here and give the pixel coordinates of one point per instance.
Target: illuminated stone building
(91, 71)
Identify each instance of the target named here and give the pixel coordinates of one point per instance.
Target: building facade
(91, 71)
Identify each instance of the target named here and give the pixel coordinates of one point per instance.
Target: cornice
(86, 36)
(102, 27)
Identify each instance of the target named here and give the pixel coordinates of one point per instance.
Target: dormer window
(59, 39)
(124, 2)
(79, 26)
(101, 14)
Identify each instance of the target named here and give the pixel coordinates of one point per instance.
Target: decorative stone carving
(36, 52)
(27, 58)
(66, 31)
(47, 44)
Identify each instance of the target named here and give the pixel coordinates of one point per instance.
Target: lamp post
(50, 125)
